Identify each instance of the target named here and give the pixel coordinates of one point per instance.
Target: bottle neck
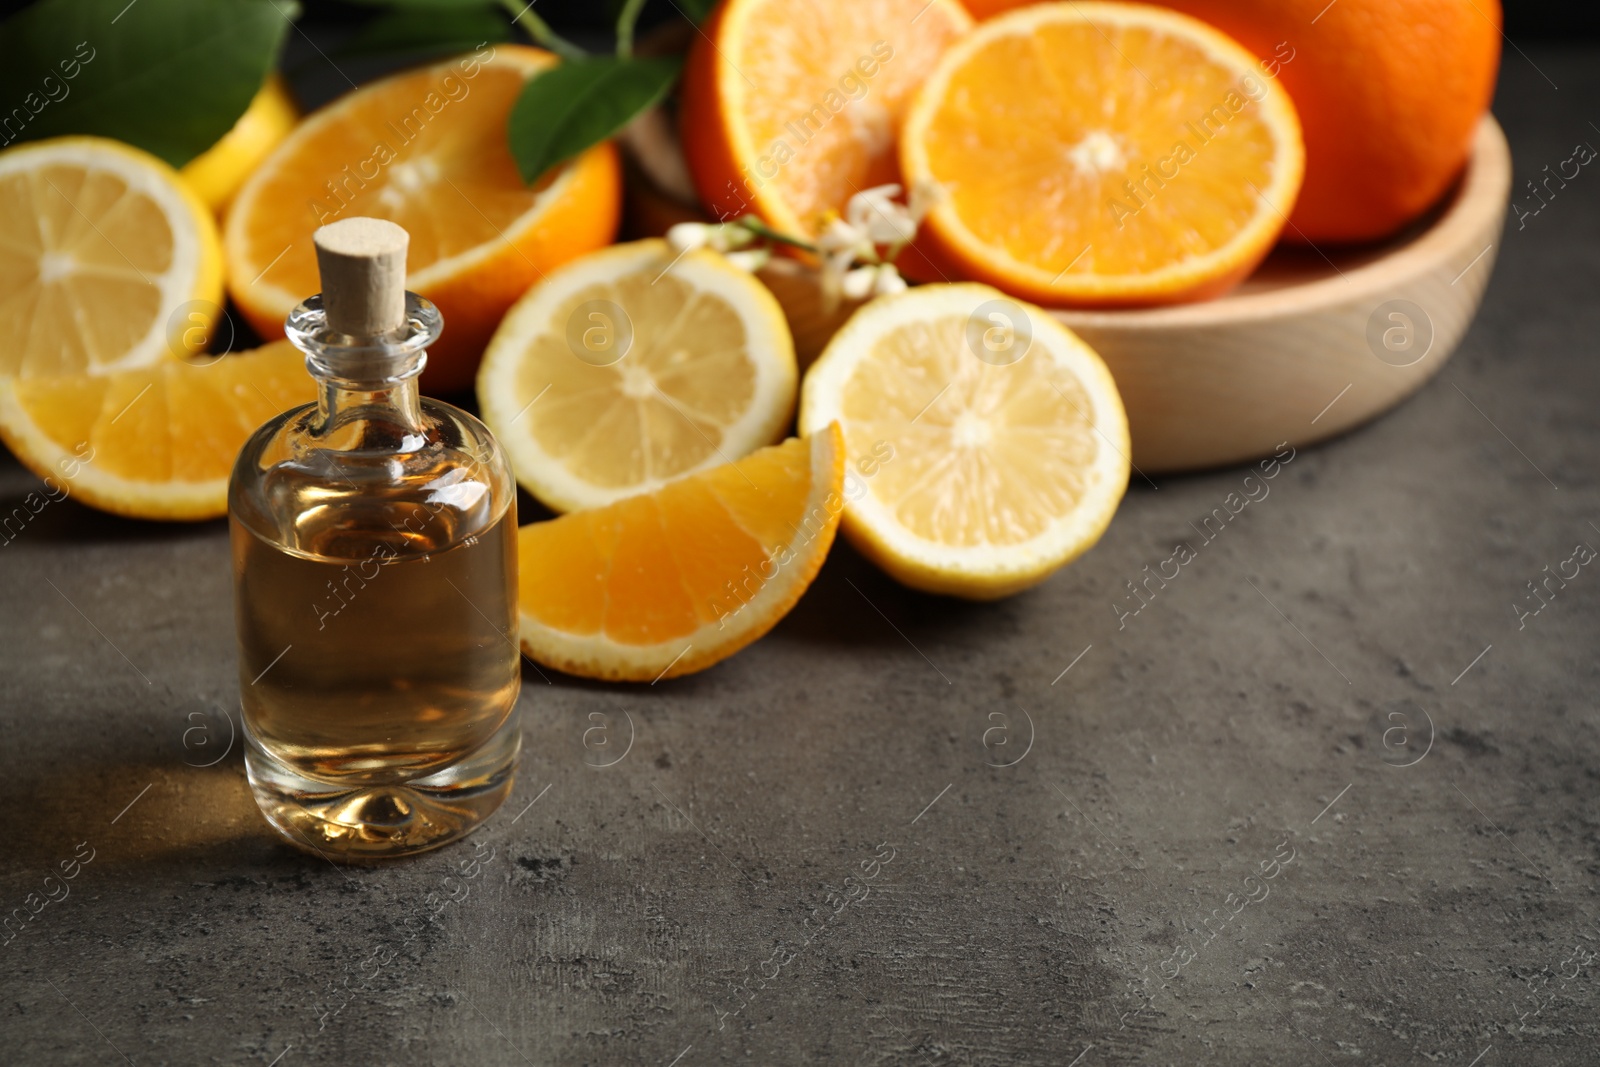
(341, 402)
(365, 380)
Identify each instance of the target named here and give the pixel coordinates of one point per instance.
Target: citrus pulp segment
(790, 107)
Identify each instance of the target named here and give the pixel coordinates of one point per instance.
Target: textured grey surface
(1263, 704)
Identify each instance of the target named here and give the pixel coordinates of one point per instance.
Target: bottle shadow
(855, 604)
(186, 816)
(851, 604)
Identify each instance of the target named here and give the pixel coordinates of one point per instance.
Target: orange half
(1103, 154)
(425, 149)
(790, 107)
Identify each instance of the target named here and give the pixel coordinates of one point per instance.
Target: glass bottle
(375, 580)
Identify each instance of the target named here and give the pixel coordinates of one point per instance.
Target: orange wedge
(790, 107)
(1103, 154)
(153, 443)
(426, 149)
(670, 582)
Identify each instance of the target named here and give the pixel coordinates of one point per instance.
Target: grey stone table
(1329, 798)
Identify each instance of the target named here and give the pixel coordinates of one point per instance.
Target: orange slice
(155, 443)
(790, 107)
(670, 582)
(1103, 153)
(425, 149)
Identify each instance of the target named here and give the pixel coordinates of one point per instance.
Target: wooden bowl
(1309, 345)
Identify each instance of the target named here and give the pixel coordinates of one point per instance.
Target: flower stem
(625, 21)
(761, 229)
(540, 30)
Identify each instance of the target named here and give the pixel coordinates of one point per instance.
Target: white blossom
(926, 194)
(723, 237)
(732, 235)
(875, 214)
(888, 281)
(854, 249)
(872, 220)
(841, 244)
(688, 236)
(752, 260)
(873, 279)
(857, 283)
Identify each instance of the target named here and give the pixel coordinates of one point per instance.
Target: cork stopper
(363, 266)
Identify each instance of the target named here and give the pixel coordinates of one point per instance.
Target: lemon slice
(631, 367)
(107, 259)
(987, 443)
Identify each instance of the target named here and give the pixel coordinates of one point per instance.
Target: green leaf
(580, 103)
(169, 76)
(417, 29)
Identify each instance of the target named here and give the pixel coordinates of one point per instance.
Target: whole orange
(1389, 93)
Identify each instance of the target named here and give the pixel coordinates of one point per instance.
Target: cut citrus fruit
(992, 442)
(670, 582)
(426, 149)
(1389, 97)
(107, 260)
(218, 172)
(631, 367)
(151, 443)
(790, 108)
(1103, 153)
